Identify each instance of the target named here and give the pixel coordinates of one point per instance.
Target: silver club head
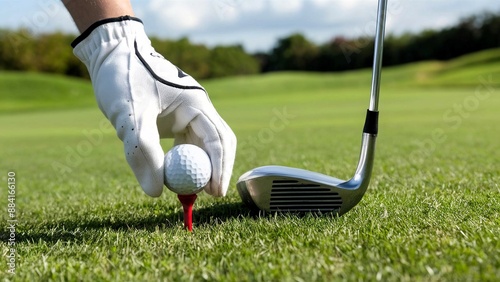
(287, 189)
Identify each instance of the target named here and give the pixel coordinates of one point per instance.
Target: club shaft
(377, 58)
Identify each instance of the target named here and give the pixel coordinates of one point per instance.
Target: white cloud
(321, 3)
(286, 7)
(183, 15)
(252, 6)
(227, 10)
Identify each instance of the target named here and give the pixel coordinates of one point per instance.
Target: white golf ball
(187, 169)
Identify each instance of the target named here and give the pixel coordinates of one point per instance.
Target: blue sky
(256, 24)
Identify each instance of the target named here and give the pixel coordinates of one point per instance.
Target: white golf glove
(146, 98)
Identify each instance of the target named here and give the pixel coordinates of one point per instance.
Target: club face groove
(287, 189)
(294, 195)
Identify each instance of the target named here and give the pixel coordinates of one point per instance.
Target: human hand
(146, 98)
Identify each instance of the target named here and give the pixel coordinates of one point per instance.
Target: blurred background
(233, 37)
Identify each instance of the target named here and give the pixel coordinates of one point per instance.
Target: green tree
(294, 52)
(231, 60)
(53, 53)
(17, 50)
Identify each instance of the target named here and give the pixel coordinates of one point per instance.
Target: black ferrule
(371, 122)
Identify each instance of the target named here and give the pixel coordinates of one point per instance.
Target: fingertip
(154, 192)
(216, 190)
(146, 158)
(151, 182)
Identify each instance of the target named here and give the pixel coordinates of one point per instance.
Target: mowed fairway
(432, 211)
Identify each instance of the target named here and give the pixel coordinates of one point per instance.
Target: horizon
(258, 25)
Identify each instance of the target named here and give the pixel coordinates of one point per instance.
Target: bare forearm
(87, 12)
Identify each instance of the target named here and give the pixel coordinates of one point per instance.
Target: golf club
(287, 189)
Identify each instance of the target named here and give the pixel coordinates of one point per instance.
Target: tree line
(469, 35)
(23, 50)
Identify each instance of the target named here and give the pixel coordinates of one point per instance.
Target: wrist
(86, 12)
(86, 33)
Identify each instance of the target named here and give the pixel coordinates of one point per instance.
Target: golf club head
(287, 189)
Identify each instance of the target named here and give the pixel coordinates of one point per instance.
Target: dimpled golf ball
(187, 169)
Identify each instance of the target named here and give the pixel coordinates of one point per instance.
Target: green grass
(431, 213)
(34, 91)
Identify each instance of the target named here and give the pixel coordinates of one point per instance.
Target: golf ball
(187, 169)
